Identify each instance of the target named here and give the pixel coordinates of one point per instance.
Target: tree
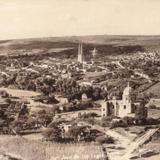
(76, 131)
(4, 94)
(45, 119)
(141, 114)
(144, 98)
(53, 134)
(128, 120)
(106, 121)
(152, 106)
(55, 109)
(96, 93)
(16, 126)
(51, 99)
(103, 94)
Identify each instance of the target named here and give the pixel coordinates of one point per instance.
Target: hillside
(154, 90)
(110, 45)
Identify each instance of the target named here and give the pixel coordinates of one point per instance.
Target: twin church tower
(80, 53)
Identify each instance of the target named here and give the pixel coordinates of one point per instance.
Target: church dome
(127, 90)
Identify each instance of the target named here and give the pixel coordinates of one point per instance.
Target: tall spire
(80, 53)
(94, 52)
(128, 84)
(127, 94)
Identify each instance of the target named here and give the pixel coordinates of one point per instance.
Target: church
(81, 57)
(121, 108)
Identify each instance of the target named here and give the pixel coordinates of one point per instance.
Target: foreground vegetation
(21, 148)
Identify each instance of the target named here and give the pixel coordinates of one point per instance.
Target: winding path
(124, 147)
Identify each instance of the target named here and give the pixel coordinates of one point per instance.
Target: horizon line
(87, 35)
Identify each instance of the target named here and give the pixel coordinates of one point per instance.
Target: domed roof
(127, 90)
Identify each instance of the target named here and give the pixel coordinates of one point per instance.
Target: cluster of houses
(86, 74)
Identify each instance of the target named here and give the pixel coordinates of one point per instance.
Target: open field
(33, 136)
(70, 115)
(33, 150)
(20, 93)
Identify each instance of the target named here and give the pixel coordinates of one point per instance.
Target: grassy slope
(33, 150)
(155, 90)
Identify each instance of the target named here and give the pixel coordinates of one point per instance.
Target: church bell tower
(80, 53)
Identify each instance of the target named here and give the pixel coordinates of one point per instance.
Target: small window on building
(103, 109)
(124, 106)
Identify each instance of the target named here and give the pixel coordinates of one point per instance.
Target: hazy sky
(46, 18)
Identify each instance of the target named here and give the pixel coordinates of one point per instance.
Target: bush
(152, 106)
(55, 109)
(151, 121)
(52, 134)
(84, 105)
(119, 123)
(141, 121)
(75, 131)
(106, 121)
(89, 115)
(104, 139)
(90, 120)
(128, 120)
(4, 94)
(141, 113)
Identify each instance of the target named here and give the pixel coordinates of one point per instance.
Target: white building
(84, 97)
(121, 108)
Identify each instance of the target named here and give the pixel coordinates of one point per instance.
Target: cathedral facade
(120, 108)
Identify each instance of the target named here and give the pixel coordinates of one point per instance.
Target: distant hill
(106, 44)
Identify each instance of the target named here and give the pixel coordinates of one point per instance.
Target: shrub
(119, 123)
(104, 139)
(152, 106)
(128, 120)
(151, 121)
(141, 121)
(52, 134)
(4, 94)
(106, 121)
(75, 131)
(89, 115)
(141, 113)
(55, 109)
(90, 120)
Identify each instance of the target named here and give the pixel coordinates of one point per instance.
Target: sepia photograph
(79, 80)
